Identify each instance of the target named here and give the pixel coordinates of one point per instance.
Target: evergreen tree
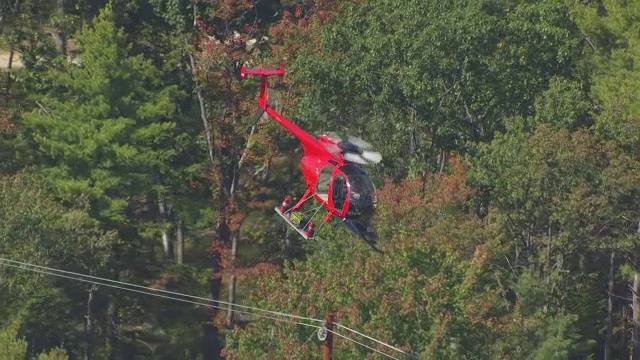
(36, 229)
(104, 130)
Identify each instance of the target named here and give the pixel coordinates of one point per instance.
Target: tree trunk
(636, 310)
(288, 251)
(59, 34)
(208, 132)
(88, 330)
(549, 264)
(7, 93)
(236, 233)
(112, 331)
(60, 40)
(166, 241)
(212, 346)
(179, 243)
(624, 340)
(232, 278)
(609, 335)
(635, 352)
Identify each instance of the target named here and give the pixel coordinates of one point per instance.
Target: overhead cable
(161, 290)
(206, 302)
(363, 345)
(151, 291)
(370, 338)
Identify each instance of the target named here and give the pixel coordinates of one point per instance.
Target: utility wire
(154, 292)
(370, 338)
(297, 353)
(161, 290)
(363, 345)
(32, 269)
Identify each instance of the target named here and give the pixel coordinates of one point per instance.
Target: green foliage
(55, 354)
(105, 130)
(554, 196)
(565, 104)
(176, 13)
(612, 33)
(421, 76)
(533, 177)
(12, 348)
(429, 294)
(558, 339)
(36, 229)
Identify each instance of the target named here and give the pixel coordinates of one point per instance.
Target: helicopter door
(322, 187)
(339, 192)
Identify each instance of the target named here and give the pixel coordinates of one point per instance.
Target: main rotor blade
(334, 136)
(355, 158)
(372, 156)
(359, 142)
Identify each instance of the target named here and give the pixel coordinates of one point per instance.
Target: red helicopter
(333, 173)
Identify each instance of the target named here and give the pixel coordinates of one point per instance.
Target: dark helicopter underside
(364, 230)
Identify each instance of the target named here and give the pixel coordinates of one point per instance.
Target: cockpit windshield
(362, 194)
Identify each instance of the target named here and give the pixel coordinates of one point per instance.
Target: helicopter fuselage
(342, 187)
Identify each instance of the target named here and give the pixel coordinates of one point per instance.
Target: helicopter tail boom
(308, 141)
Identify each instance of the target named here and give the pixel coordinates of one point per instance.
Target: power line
(154, 292)
(372, 339)
(161, 290)
(297, 353)
(364, 345)
(32, 268)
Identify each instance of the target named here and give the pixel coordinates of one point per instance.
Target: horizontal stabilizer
(260, 72)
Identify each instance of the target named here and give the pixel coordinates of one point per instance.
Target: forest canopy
(508, 195)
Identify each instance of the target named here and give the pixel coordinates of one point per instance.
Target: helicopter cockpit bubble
(362, 192)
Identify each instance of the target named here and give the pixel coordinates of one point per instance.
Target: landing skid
(287, 218)
(347, 223)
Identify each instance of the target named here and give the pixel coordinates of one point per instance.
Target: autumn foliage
(508, 194)
(417, 296)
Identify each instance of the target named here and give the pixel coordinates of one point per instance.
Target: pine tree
(105, 129)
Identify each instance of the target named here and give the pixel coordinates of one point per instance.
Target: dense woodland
(509, 191)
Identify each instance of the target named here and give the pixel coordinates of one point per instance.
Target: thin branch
(43, 108)
(618, 296)
(590, 43)
(203, 112)
(241, 161)
(510, 267)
